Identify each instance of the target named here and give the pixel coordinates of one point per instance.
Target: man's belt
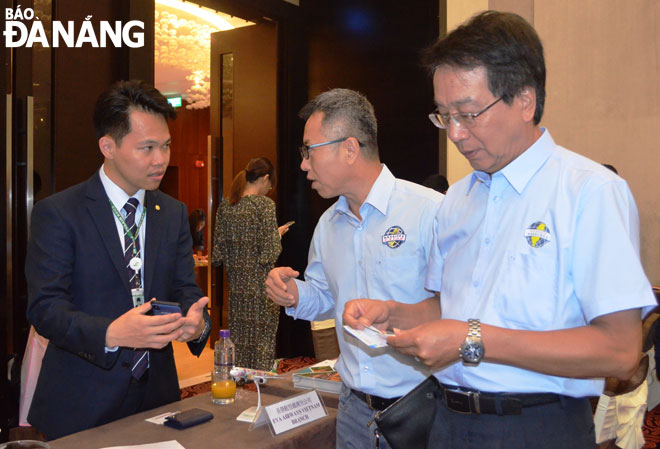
(374, 402)
(470, 401)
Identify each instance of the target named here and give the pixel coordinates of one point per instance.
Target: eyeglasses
(304, 149)
(465, 119)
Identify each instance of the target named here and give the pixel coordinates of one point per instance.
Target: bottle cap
(224, 333)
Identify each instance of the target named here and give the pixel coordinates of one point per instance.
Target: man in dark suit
(96, 251)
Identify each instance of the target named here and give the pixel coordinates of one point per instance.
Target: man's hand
(360, 313)
(281, 288)
(136, 329)
(193, 323)
(435, 343)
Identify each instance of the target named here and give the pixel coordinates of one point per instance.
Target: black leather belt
(470, 401)
(374, 402)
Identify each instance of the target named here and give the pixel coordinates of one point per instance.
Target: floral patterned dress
(247, 242)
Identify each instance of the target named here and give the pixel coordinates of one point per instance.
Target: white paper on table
(248, 415)
(160, 419)
(172, 444)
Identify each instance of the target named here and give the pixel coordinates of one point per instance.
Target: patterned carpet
(651, 429)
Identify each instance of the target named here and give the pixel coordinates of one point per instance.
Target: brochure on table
(321, 376)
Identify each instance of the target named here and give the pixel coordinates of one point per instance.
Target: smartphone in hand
(165, 307)
(289, 223)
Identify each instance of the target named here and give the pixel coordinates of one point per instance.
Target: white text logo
(19, 34)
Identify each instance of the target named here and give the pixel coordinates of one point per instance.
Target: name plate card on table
(291, 413)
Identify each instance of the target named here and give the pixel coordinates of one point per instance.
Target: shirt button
(366, 368)
(476, 283)
(359, 228)
(487, 241)
(496, 199)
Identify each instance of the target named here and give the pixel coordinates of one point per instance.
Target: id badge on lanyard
(138, 292)
(138, 296)
(135, 263)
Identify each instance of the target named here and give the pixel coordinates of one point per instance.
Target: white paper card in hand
(370, 336)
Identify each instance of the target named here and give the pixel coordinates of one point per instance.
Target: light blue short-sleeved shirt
(549, 242)
(383, 256)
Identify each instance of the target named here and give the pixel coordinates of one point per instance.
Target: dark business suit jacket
(78, 285)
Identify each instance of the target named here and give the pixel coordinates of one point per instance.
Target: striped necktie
(140, 358)
(131, 208)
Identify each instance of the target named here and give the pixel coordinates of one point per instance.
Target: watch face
(472, 351)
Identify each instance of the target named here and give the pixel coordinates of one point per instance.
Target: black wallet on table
(188, 418)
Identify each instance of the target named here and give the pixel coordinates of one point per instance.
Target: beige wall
(604, 95)
(603, 92)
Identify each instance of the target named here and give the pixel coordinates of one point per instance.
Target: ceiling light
(201, 12)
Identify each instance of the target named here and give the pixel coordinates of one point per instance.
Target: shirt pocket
(526, 289)
(401, 274)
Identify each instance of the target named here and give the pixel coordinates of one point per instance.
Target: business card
(370, 336)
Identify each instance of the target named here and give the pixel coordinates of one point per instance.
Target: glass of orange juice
(223, 391)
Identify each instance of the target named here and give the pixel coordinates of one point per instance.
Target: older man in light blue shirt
(562, 262)
(374, 241)
(536, 260)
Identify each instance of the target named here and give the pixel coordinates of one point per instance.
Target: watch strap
(472, 338)
(474, 328)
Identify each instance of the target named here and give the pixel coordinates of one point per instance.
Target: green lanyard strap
(125, 226)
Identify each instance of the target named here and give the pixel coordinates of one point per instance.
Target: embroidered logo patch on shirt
(394, 237)
(538, 234)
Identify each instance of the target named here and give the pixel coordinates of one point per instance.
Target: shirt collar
(116, 193)
(519, 171)
(379, 195)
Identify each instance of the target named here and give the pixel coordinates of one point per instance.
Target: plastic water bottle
(223, 388)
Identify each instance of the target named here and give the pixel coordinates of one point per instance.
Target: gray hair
(346, 113)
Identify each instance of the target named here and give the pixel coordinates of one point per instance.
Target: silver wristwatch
(472, 349)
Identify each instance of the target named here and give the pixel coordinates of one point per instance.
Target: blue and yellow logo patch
(394, 237)
(537, 234)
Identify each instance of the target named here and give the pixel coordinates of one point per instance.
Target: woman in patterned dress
(247, 241)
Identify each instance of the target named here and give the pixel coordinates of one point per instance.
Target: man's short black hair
(113, 107)
(505, 44)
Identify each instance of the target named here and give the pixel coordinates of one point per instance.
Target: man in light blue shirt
(536, 256)
(374, 241)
